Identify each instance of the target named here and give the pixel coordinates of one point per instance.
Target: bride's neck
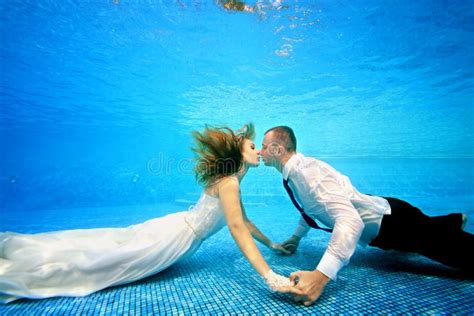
(242, 172)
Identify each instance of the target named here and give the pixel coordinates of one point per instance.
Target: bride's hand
(277, 282)
(279, 248)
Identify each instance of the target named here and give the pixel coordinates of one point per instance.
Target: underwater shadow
(395, 261)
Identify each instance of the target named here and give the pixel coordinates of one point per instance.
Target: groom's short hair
(285, 136)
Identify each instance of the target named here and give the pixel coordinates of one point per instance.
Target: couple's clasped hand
(304, 286)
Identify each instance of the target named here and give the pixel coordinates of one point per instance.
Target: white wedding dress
(80, 262)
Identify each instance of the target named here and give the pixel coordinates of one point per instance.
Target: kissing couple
(82, 261)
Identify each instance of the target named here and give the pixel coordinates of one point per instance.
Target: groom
(324, 196)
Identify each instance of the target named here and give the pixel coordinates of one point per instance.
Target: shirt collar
(290, 164)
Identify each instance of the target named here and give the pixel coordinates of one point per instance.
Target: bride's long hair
(219, 152)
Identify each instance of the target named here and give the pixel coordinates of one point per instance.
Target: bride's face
(250, 153)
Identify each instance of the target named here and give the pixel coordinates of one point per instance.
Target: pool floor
(218, 279)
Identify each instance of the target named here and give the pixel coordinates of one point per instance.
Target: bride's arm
(230, 201)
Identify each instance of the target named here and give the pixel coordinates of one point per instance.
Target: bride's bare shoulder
(229, 181)
(224, 184)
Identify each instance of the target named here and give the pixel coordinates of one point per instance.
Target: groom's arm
(292, 243)
(302, 228)
(348, 227)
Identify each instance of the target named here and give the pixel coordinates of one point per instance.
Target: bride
(80, 262)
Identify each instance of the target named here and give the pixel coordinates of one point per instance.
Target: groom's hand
(291, 244)
(309, 287)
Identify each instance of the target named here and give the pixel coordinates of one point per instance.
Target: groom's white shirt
(329, 197)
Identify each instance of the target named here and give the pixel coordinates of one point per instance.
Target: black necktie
(308, 219)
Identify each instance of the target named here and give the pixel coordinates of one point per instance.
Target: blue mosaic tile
(375, 282)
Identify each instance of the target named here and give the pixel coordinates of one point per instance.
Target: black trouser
(439, 237)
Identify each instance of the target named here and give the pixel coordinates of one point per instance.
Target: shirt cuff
(329, 265)
(301, 231)
(302, 228)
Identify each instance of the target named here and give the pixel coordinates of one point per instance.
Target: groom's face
(270, 151)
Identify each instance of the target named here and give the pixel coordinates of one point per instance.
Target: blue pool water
(98, 100)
